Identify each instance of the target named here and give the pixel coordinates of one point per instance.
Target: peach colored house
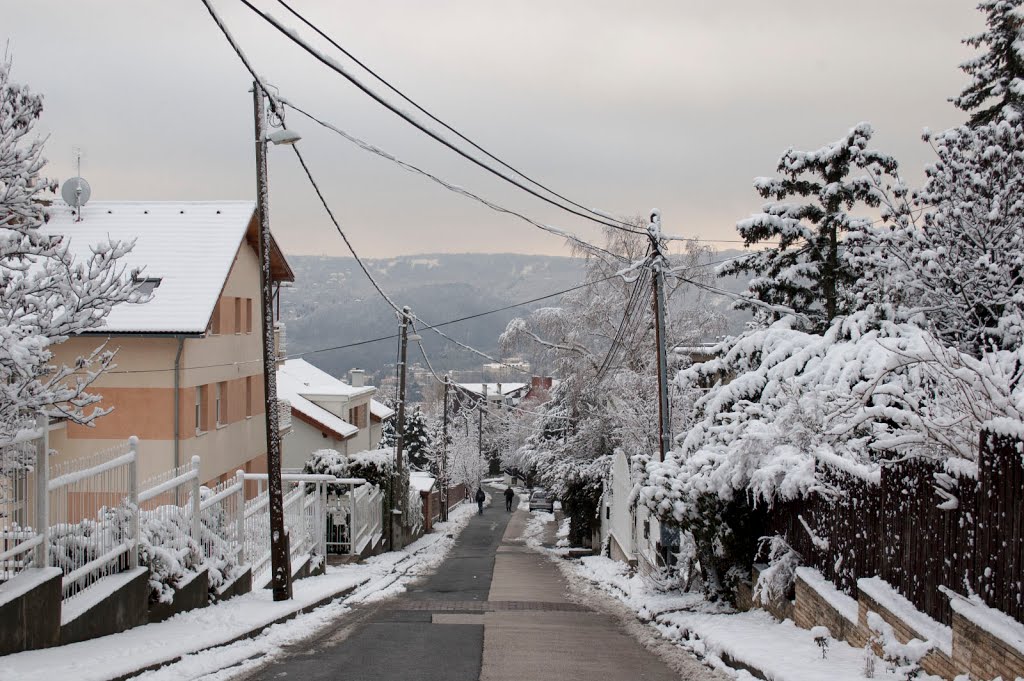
(189, 374)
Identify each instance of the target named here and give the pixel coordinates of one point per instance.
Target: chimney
(357, 378)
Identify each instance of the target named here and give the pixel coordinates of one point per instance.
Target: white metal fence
(93, 523)
(90, 516)
(21, 538)
(354, 519)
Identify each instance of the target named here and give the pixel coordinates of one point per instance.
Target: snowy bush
(775, 583)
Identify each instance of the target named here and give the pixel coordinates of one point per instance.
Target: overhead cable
(437, 120)
(342, 71)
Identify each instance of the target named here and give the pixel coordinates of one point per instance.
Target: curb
(252, 633)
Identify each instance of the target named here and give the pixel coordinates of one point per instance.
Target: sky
(674, 104)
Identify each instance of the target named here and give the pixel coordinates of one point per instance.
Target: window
(248, 396)
(248, 315)
(220, 404)
(200, 408)
(238, 315)
(146, 284)
(357, 416)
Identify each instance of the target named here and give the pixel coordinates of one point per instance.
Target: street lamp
(280, 560)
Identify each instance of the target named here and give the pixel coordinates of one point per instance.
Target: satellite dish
(76, 192)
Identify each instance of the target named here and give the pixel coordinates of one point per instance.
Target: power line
(438, 120)
(340, 70)
(366, 146)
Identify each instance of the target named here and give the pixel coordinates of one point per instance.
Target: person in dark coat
(509, 494)
(480, 498)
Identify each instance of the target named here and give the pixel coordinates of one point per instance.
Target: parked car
(542, 500)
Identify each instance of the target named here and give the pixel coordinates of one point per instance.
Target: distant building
(496, 394)
(328, 413)
(189, 374)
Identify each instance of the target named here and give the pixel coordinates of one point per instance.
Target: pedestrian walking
(508, 498)
(480, 498)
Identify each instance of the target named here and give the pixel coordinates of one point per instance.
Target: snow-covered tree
(417, 441)
(805, 271)
(600, 342)
(997, 75)
(466, 465)
(45, 295)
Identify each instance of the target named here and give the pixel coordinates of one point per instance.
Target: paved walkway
(494, 610)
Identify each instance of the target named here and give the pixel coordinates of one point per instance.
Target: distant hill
(332, 303)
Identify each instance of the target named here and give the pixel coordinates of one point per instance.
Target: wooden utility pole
(444, 453)
(658, 285)
(280, 562)
(399, 511)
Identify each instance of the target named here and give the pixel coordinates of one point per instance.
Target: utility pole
(280, 562)
(480, 432)
(444, 453)
(400, 432)
(658, 284)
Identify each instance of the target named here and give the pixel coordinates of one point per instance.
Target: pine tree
(998, 74)
(45, 295)
(417, 441)
(805, 272)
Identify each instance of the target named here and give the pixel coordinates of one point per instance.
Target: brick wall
(975, 651)
(985, 656)
(812, 610)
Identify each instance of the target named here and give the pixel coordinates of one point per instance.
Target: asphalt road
(494, 610)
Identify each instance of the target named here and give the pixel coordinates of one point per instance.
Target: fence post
(321, 517)
(197, 536)
(42, 557)
(133, 501)
(240, 528)
(353, 524)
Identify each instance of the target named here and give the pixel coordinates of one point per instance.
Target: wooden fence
(919, 528)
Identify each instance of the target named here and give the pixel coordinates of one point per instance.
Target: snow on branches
(999, 72)
(806, 271)
(45, 296)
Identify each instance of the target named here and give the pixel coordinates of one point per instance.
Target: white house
(327, 413)
(496, 393)
(630, 531)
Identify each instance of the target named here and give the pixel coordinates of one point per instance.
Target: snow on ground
(533, 534)
(723, 638)
(199, 636)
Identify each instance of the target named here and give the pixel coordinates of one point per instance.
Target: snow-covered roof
(189, 245)
(320, 383)
(381, 411)
(291, 386)
(421, 481)
(492, 388)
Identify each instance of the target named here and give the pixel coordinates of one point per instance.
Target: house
(496, 394)
(189, 366)
(327, 413)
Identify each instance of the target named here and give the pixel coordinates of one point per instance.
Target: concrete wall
(305, 439)
(30, 610)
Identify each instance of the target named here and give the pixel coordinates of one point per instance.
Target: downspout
(177, 406)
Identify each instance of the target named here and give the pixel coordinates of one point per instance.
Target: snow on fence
(93, 524)
(354, 519)
(920, 527)
(22, 542)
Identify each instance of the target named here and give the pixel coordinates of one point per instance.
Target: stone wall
(986, 656)
(974, 651)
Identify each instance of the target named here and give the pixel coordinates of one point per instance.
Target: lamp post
(280, 560)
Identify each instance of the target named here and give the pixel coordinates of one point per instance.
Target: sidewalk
(552, 636)
(242, 618)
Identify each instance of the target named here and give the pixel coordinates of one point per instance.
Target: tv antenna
(76, 191)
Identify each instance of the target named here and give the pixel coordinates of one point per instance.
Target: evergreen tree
(806, 271)
(998, 74)
(417, 441)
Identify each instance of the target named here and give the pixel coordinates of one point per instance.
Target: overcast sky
(619, 105)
